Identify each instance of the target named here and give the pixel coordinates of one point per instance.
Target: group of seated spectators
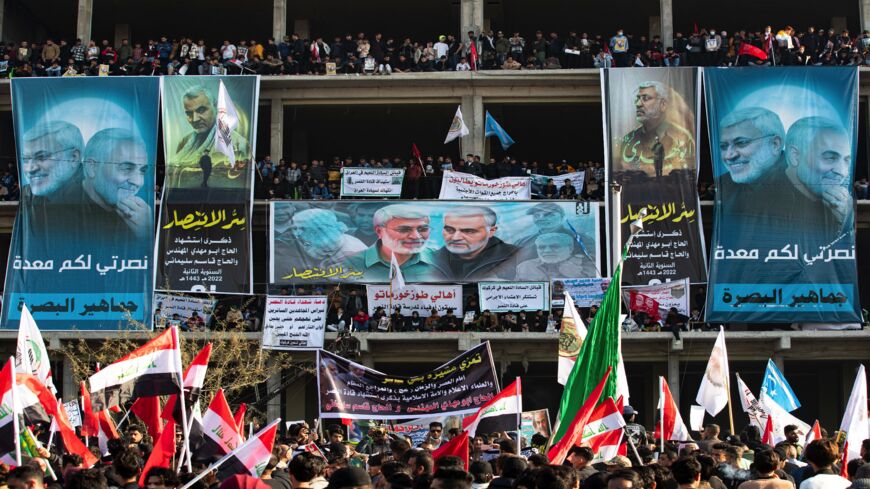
(489, 50)
(321, 180)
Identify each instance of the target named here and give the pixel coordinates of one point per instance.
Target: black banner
(651, 133)
(460, 386)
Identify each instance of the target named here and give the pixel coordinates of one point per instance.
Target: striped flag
(501, 413)
(194, 378)
(220, 432)
(251, 457)
(10, 448)
(151, 370)
(814, 434)
(604, 431)
(670, 425)
(90, 423)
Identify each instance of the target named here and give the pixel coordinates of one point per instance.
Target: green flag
(600, 350)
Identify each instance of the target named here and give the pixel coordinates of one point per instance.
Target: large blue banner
(81, 248)
(783, 142)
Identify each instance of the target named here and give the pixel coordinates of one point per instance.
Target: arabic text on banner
(784, 146)
(416, 298)
(209, 131)
(351, 391)
(184, 306)
(434, 241)
(651, 135)
(464, 186)
(83, 240)
(586, 292)
(668, 295)
(514, 296)
(294, 323)
(372, 182)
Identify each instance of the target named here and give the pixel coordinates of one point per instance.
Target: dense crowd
(377, 54)
(321, 179)
(382, 459)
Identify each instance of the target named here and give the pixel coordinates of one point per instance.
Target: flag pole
(730, 411)
(184, 427)
(662, 412)
(520, 416)
(16, 428)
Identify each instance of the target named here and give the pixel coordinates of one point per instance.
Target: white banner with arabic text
(294, 323)
(463, 186)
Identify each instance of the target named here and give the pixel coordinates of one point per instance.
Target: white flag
(751, 406)
(458, 129)
(397, 281)
(31, 357)
(227, 120)
(855, 422)
(713, 394)
(571, 336)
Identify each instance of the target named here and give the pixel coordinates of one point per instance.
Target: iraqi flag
(194, 378)
(671, 423)
(220, 432)
(501, 413)
(251, 457)
(574, 432)
(36, 408)
(606, 445)
(90, 423)
(10, 449)
(604, 431)
(153, 369)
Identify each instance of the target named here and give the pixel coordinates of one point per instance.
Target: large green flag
(600, 350)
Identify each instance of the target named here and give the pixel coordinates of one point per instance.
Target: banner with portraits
(209, 131)
(464, 186)
(586, 292)
(651, 122)
(421, 299)
(80, 256)
(784, 146)
(667, 295)
(372, 182)
(352, 391)
(170, 309)
(433, 241)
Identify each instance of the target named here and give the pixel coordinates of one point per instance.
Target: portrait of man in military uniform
(662, 139)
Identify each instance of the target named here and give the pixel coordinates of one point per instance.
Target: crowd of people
(302, 458)
(321, 179)
(379, 55)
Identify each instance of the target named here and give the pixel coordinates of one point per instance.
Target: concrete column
(666, 18)
(472, 112)
(84, 20)
(302, 27)
(864, 12)
(69, 389)
(276, 130)
(122, 31)
(674, 377)
(655, 26)
(279, 19)
(2, 17)
(273, 407)
(470, 17)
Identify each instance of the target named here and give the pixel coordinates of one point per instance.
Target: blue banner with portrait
(81, 248)
(783, 143)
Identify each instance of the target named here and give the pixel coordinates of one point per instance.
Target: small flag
(670, 425)
(162, 453)
(227, 120)
(148, 410)
(750, 50)
(713, 394)
(31, 356)
(814, 434)
(501, 413)
(90, 423)
(492, 128)
(751, 406)
(474, 57)
(457, 447)
(10, 446)
(636, 226)
(458, 129)
(767, 437)
(855, 421)
(220, 429)
(571, 336)
(397, 281)
(252, 456)
(776, 389)
(194, 377)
